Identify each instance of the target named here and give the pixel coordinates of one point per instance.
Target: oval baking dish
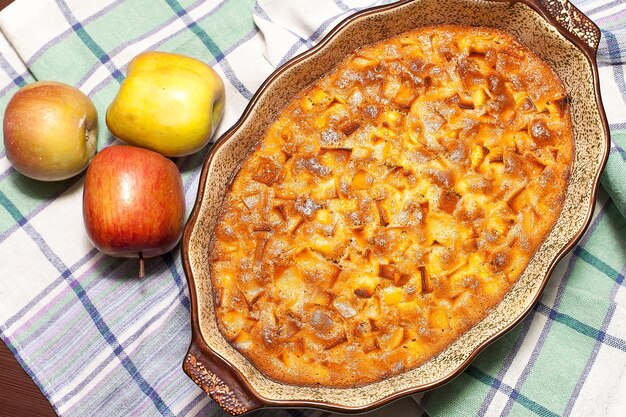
(557, 32)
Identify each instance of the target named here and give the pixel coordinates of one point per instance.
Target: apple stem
(142, 271)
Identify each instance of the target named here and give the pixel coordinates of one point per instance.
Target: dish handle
(572, 20)
(215, 377)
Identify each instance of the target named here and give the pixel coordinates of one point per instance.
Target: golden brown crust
(390, 205)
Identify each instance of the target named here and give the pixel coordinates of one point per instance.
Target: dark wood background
(19, 396)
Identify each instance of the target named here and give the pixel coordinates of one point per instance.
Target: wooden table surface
(19, 396)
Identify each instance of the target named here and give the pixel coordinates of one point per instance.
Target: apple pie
(390, 206)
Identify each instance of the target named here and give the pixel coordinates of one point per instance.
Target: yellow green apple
(50, 130)
(168, 103)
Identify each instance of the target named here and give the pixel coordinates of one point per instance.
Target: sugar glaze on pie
(390, 206)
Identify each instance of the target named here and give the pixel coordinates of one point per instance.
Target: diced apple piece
(266, 171)
(317, 98)
(417, 349)
(369, 343)
(391, 339)
(328, 327)
(439, 319)
(530, 219)
(405, 96)
(383, 214)
(364, 285)
(493, 286)
(290, 286)
(285, 192)
(324, 216)
(348, 127)
(341, 205)
(288, 325)
(234, 322)
(442, 228)
(408, 309)
(322, 245)
(478, 96)
(243, 341)
(392, 273)
(325, 190)
(392, 295)
(372, 308)
(253, 201)
(477, 155)
(361, 152)
(315, 268)
(361, 62)
(344, 307)
(289, 359)
(391, 86)
(448, 201)
(362, 180)
(253, 294)
(525, 198)
(390, 118)
(281, 211)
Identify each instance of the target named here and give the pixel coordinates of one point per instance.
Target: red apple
(50, 130)
(133, 203)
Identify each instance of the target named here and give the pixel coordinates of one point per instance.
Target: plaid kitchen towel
(99, 342)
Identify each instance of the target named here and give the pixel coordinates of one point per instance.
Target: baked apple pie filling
(390, 206)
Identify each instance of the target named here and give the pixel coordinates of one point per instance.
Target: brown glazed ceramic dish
(557, 32)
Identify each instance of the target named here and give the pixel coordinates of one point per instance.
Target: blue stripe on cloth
(55, 283)
(581, 327)
(518, 343)
(508, 361)
(603, 7)
(202, 396)
(513, 394)
(11, 209)
(259, 11)
(309, 41)
(20, 81)
(168, 259)
(557, 302)
(130, 340)
(115, 51)
(59, 314)
(89, 41)
(615, 149)
(25, 218)
(247, 37)
(8, 69)
(57, 39)
(618, 71)
(598, 264)
(212, 47)
(596, 349)
(342, 5)
(94, 314)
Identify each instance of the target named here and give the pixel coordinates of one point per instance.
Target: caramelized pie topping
(390, 206)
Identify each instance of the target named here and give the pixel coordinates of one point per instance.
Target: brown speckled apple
(133, 203)
(50, 130)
